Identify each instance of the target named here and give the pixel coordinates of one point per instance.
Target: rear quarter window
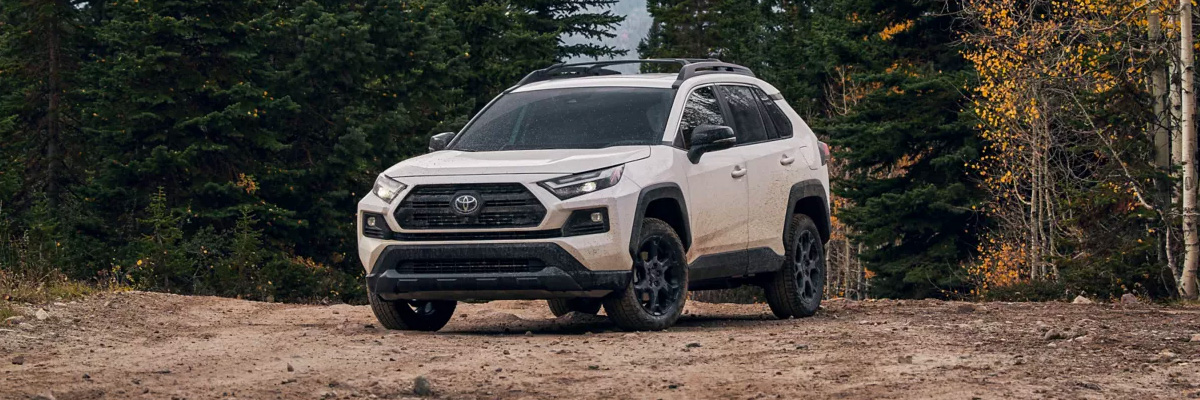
(783, 125)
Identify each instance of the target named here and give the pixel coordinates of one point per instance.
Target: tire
(561, 307)
(415, 315)
(655, 296)
(797, 289)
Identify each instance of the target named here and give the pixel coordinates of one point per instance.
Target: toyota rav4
(590, 188)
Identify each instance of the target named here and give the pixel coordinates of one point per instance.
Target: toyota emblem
(465, 204)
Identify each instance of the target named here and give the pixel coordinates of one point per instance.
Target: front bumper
(587, 265)
(484, 272)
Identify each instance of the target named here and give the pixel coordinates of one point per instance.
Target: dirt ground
(151, 345)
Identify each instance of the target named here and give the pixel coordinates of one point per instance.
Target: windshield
(576, 118)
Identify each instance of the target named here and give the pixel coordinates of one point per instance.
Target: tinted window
(577, 118)
(702, 109)
(743, 109)
(783, 125)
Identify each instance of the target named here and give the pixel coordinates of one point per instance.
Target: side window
(783, 125)
(702, 109)
(743, 109)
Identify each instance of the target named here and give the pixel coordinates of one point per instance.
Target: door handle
(787, 160)
(738, 172)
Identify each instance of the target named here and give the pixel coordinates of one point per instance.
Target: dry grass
(44, 288)
(7, 310)
(41, 288)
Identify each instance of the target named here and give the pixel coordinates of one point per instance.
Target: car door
(770, 158)
(717, 195)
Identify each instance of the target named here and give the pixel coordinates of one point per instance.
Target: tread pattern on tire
(397, 315)
(782, 287)
(625, 309)
(386, 313)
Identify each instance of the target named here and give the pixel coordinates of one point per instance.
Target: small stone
(1054, 334)
(87, 377)
(1129, 298)
(1195, 338)
(47, 396)
(966, 308)
(14, 320)
(528, 333)
(42, 314)
(905, 359)
(18, 360)
(422, 387)
(1165, 356)
(1082, 300)
(290, 368)
(693, 345)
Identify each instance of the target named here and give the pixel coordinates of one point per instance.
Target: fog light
(597, 217)
(371, 222)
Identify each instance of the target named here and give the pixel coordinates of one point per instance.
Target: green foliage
(212, 147)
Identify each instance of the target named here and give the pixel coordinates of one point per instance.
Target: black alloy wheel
(657, 290)
(657, 277)
(797, 288)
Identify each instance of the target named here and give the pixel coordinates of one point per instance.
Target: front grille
(502, 205)
(485, 266)
(452, 236)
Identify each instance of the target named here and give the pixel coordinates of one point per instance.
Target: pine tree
(501, 48)
(906, 141)
(38, 59)
(587, 19)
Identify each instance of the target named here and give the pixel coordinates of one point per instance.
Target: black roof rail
(689, 67)
(709, 67)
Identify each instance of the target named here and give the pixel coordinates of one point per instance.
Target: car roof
(663, 81)
(658, 81)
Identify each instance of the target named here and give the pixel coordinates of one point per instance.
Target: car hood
(562, 161)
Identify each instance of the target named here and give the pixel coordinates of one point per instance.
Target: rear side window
(782, 125)
(702, 109)
(743, 109)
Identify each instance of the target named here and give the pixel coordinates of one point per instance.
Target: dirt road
(148, 345)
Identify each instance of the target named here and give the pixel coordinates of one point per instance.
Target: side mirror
(439, 141)
(708, 138)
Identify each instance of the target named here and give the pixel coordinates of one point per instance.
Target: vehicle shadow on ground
(583, 324)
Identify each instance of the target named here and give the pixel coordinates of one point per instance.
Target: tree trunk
(1161, 134)
(1190, 241)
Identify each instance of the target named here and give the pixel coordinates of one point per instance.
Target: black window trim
(729, 112)
(777, 97)
(780, 97)
(675, 143)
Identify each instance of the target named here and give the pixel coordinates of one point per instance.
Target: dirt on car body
(150, 345)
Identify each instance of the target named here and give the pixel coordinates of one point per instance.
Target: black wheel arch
(809, 198)
(663, 201)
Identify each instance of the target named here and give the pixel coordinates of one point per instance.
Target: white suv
(589, 187)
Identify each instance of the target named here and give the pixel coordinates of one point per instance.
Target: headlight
(387, 188)
(581, 184)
